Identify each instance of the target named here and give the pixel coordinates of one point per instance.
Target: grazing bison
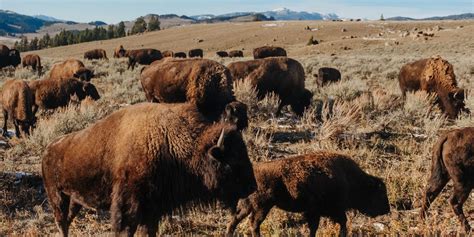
(9, 57)
(268, 51)
(16, 101)
(319, 184)
(180, 55)
(327, 75)
(280, 75)
(52, 94)
(148, 160)
(70, 68)
(203, 82)
(142, 56)
(434, 75)
(95, 54)
(452, 160)
(194, 53)
(33, 61)
(222, 54)
(168, 54)
(119, 52)
(236, 54)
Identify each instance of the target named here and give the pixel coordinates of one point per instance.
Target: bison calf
(327, 75)
(33, 61)
(319, 184)
(70, 68)
(143, 57)
(16, 101)
(268, 51)
(452, 160)
(95, 54)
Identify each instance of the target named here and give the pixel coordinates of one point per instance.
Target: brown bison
(147, 161)
(327, 75)
(9, 57)
(194, 53)
(119, 52)
(168, 54)
(203, 82)
(452, 160)
(33, 61)
(52, 94)
(180, 55)
(268, 51)
(434, 75)
(142, 56)
(16, 101)
(236, 54)
(280, 75)
(222, 54)
(95, 54)
(319, 184)
(70, 68)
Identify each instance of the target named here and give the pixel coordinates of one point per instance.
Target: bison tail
(438, 169)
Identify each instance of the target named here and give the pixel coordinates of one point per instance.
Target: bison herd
(186, 147)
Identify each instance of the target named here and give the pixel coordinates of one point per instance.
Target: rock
(343, 30)
(379, 226)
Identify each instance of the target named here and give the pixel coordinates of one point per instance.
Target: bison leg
(5, 120)
(435, 185)
(124, 211)
(256, 219)
(243, 210)
(149, 228)
(460, 195)
(60, 204)
(341, 219)
(17, 128)
(313, 222)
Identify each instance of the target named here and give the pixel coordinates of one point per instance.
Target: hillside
(11, 22)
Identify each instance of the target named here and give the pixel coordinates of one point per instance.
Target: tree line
(98, 33)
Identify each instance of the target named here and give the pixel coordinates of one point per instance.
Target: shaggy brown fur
(280, 75)
(52, 94)
(168, 54)
(222, 54)
(180, 55)
(327, 75)
(203, 82)
(142, 56)
(452, 160)
(319, 184)
(9, 57)
(119, 52)
(33, 61)
(434, 75)
(268, 51)
(16, 101)
(194, 53)
(70, 68)
(236, 54)
(95, 54)
(148, 160)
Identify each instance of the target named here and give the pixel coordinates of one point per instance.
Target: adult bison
(70, 68)
(434, 75)
(119, 52)
(268, 51)
(452, 160)
(327, 75)
(95, 54)
(9, 57)
(236, 54)
(222, 54)
(195, 53)
(203, 82)
(33, 61)
(16, 101)
(319, 184)
(180, 55)
(143, 56)
(280, 75)
(148, 161)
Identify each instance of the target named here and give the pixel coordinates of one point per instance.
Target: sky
(118, 10)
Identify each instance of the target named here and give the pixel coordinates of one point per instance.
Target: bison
(147, 161)
(327, 75)
(95, 54)
(70, 68)
(319, 184)
(9, 57)
(142, 56)
(203, 82)
(33, 61)
(180, 55)
(268, 51)
(16, 101)
(222, 54)
(52, 94)
(168, 54)
(280, 75)
(194, 53)
(452, 160)
(119, 52)
(236, 54)
(434, 75)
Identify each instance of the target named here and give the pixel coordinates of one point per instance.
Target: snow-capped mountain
(287, 14)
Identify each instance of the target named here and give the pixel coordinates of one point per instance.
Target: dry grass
(363, 116)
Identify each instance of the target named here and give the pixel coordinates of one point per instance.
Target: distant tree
(381, 18)
(154, 23)
(120, 30)
(139, 26)
(34, 44)
(111, 32)
(24, 45)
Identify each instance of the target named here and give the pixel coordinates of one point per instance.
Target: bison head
(373, 200)
(15, 58)
(236, 113)
(303, 101)
(227, 170)
(90, 90)
(84, 74)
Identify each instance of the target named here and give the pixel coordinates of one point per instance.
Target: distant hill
(465, 16)
(11, 22)
(48, 18)
(287, 14)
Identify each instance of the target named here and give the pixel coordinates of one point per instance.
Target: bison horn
(220, 142)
